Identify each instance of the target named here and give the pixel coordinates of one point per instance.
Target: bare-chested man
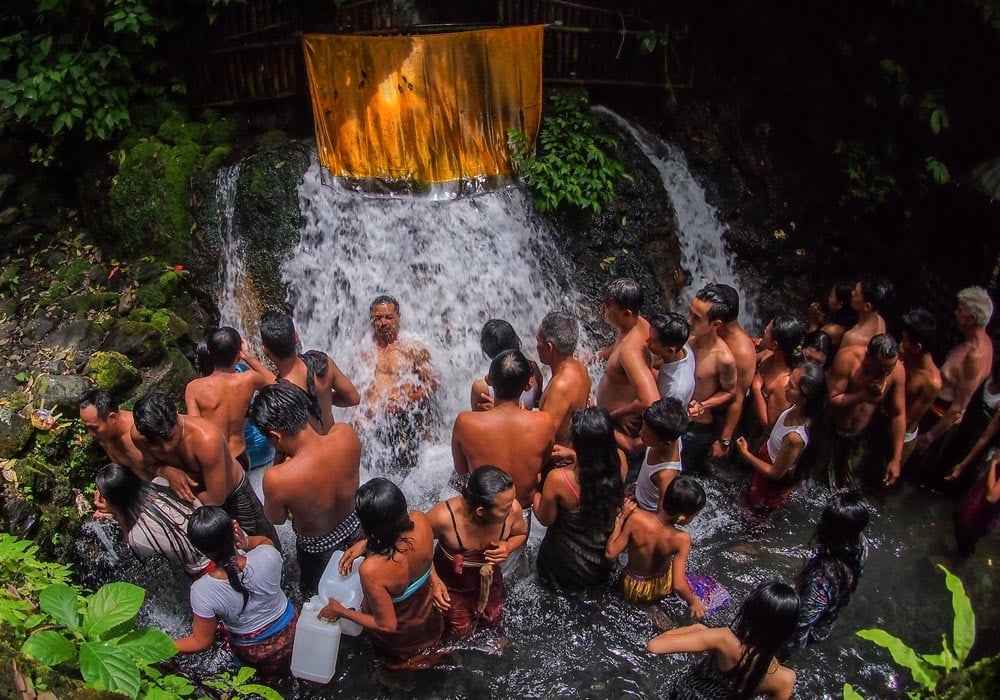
(628, 387)
(870, 296)
(193, 456)
(569, 388)
(861, 380)
(964, 369)
(508, 436)
(715, 376)
(112, 428)
(923, 379)
(397, 405)
(315, 485)
(314, 371)
(224, 396)
(745, 355)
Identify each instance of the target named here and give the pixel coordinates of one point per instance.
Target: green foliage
(22, 579)
(239, 686)
(931, 671)
(572, 167)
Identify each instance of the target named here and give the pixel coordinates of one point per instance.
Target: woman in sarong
(398, 580)
(476, 532)
(579, 504)
(243, 591)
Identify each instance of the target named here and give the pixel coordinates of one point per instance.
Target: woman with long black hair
(243, 592)
(578, 504)
(744, 659)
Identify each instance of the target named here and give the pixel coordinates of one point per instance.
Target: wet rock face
(15, 433)
(61, 391)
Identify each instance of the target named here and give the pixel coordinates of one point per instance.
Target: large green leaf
(964, 632)
(850, 693)
(113, 605)
(104, 666)
(903, 655)
(59, 601)
(264, 691)
(147, 646)
(49, 647)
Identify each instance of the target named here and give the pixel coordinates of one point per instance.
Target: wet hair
(672, 329)
(846, 315)
(317, 363)
(277, 333)
(667, 418)
(920, 327)
(684, 497)
(625, 292)
(764, 625)
(788, 334)
(204, 365)
(282, 408)
(883, 346)
(731, 298)
(718, 308)
(509, 374)
(812, 390)
(225, 345)
(877, 292)
(384, 299)
(384, 516)
(484, 484)
(99, 399)
(560, 329)
(978, 303)
(602, 489)
(840, 547)
(155, 416)
(133, 498)
(820, 341)
(498, 335)
(210, 529)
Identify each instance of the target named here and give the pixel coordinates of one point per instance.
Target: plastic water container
(346, 590)
(317, 642)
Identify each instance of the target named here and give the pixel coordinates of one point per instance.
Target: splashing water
(701, 233)
(239, 305)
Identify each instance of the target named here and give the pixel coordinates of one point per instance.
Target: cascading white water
(452, 264)
(701, 233)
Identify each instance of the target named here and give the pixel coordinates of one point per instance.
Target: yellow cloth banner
(432, 108)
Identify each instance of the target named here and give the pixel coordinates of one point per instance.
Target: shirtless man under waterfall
(569, 389)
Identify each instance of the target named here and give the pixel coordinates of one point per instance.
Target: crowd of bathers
(614, 473)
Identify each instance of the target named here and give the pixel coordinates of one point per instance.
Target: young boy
(663, 423)
(657, 551)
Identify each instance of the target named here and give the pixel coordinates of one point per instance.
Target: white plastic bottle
(346, 590)
(317, 642)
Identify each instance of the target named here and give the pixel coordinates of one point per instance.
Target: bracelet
(726, 442)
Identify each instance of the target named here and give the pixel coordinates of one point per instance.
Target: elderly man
(965, 368)
(569, 388)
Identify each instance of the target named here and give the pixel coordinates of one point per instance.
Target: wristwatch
(726, 442)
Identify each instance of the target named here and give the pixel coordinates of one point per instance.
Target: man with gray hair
(569, 388)
(964, 370)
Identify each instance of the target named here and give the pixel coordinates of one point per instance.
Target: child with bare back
(657, 550)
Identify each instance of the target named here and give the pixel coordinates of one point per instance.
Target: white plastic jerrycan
(346, 590)
(317, 642)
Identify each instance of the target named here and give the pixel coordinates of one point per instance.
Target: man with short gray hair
(569, 388)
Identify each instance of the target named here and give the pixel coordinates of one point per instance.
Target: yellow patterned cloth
(430, 108)
(647, 589)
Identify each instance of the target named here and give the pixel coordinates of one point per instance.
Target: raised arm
(620, 536)
(345, 394)
(262, 376)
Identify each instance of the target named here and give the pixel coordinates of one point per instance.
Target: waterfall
(238, 303)
(451, 264)
(701, 233)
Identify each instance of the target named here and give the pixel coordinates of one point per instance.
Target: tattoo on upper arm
(727, 375)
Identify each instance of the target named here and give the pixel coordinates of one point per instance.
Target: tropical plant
(22, 578)
(930, 671)
(572, 167)
(238, 685)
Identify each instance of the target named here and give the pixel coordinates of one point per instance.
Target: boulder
(140, 342)
(36, 328)
(76, 335)
(81, 303)
(15, 433)
(170, 376)
(112, 371)
(60, 391)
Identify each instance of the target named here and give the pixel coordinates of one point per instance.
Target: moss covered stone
(175, 130)
(219, 131)
(160, 291)
(216, 157)
(15, 433)
(73, 272)
(112, 371)
(172, 326)
(141, 342)
(80, 304)
(170, 376)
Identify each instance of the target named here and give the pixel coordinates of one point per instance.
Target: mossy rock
(169, 377)
(216, 157)
(219, 131)
(147, 116)
(142, 343)
(73, 272)
(112, 371)
(272, 139)
(159, 292)
(60, 391)
(149, 202)
(80, 304)
(58, 291)
(172, 326)
(10, 277)
(175, 130)
(15, 433)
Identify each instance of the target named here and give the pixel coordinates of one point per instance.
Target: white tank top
(527, 398)
(778, 433)
(647, 495)
(990, 399)
(676, 379)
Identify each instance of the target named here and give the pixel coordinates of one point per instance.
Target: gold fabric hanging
(431, 108)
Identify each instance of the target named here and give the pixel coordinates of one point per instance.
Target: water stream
(453, 265)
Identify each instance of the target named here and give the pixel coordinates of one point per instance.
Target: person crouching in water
(153, 520)
(398, 580)
(476, 532)
(774, 464)
(658, 551)
(243, 591)
(827, 581)
(743, 662)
